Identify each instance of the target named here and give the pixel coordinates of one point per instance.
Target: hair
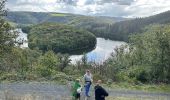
(78, 80)
(87, 70)
(99, 81)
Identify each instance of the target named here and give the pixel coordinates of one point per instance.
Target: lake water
(104, 48)
(22, 37)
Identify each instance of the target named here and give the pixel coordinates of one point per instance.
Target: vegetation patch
(143, 87)
(59, 14)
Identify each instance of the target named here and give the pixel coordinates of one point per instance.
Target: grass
(136, 98)
(142, 87)
(34, 96)
(59, 14)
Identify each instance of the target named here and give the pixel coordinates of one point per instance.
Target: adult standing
(100, 92)
(88, 78)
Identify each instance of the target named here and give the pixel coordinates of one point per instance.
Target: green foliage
(19, 62)
(60, 38)
(145, 59)
(7, 36)
(25, 28)
(47, 64)
(154, 51)
(64, 61)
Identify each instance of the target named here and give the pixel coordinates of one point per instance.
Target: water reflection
(102, 51)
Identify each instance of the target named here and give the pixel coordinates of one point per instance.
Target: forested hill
(60, 38)
(121, 30)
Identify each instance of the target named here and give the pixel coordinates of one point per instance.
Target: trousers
(87, 88)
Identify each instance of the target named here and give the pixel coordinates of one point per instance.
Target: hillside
(39, 17)
(106, 27)
(95, 24)
(121, 30)
(60, 38)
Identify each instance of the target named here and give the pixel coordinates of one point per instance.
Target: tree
(84, 60)
(7, 37)
(47, 64)
(64, 61)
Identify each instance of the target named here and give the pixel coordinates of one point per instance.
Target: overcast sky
(116, 8)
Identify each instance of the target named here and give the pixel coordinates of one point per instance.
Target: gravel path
(51, 91)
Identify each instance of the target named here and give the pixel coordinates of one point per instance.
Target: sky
(113, 8)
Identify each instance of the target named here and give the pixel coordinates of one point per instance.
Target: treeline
(60, 38)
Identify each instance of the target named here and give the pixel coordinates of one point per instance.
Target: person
(100, 92)
(88, 81)
(76, 90)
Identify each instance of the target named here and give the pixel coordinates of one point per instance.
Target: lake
(104, 48)
(22, 37)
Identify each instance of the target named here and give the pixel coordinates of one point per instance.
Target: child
(100, 92)
(77, 90)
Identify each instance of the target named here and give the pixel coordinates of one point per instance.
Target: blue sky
(116, 8)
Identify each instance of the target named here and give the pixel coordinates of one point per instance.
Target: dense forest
(121, 30)
(60, 38)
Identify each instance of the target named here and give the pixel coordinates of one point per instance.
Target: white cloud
(36, 1)
(142, 8)
(126, 8)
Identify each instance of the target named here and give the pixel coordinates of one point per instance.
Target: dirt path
(51, 91)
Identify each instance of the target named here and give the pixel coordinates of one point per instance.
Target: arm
(91, 78)
(104, 92)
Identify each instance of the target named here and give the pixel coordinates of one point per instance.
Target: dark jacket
(100, 93)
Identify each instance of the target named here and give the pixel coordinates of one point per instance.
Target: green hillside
(121, 30)
(38, 17)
